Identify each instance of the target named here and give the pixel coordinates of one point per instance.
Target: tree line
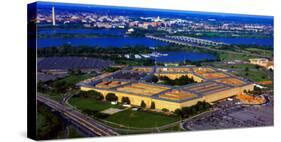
(199, 107)
(111, 97)
(183, 80)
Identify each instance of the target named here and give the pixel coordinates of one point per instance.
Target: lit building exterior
(211, 85)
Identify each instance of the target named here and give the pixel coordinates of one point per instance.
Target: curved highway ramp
(86, 123)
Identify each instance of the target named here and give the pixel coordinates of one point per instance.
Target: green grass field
(41, 121)
(128, 117)
(141, 119)
(176, 128)
(53, 96)
(48, 125)
(90, 104)
(253, 73)
(243, 66)
(231, 57)
(73, 133)
(73, 79)
(264, 52)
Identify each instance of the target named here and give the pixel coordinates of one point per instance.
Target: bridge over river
(200, 43)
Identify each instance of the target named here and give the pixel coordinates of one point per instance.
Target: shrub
(183, 80)
(101, 115)
(199, 107)
(125, 100)
(165, 110)
(178, 112)
(154, 79)
(91, 94)
(143, 105)
(90, 112)
(111, 97)
(152, 106)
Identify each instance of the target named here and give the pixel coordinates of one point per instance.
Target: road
(88, 124)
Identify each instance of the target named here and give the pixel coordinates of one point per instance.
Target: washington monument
(53, 16)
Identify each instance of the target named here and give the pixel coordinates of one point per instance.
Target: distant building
(157, 19)
(262, 62)
(171, 64)
(137, 56)
(127, 56)
(130, 31)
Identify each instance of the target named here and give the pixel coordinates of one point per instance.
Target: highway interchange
(90, 126)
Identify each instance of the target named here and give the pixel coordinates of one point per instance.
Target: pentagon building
(133, 82)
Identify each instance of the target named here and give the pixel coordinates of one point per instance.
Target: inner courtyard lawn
(140, 119)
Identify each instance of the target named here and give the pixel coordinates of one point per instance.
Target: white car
(114, 103)
(126, 105)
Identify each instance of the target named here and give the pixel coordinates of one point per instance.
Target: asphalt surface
(228, 114)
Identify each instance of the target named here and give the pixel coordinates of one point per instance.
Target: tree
(52, 124)
(41, 86)
(178, 112)
(206, 106)
(154, 79)
(199, 107)
(61, 86)
(257, 67)
(111, 69)
(165, 110)
(257, 91)
(91, 94)
(111, 97)
(152, 106)
(75, 71)
(143, 105)
(183, 80)
(98, 96)
(247, 69)
(125, 100)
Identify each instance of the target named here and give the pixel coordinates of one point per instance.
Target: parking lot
(232, 114)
